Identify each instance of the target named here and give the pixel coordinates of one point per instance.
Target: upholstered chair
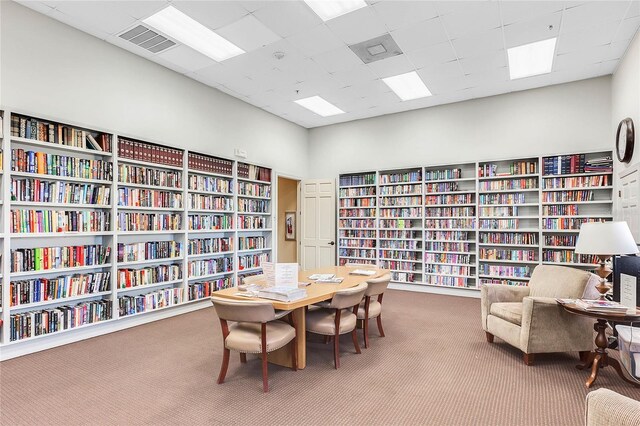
(607, 408)
(339, 318)
(255, 331)
(530, 319)
(371, 306)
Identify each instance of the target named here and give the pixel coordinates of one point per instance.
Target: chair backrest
(361, 265)
(251, 279)
(377, 286)
(558, 281)
(348, 297)
(243, 310)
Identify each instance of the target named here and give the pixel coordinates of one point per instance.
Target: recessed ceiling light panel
(329, 9)
(319, 106)
(407, 86)
(192, 33)
(531, 59)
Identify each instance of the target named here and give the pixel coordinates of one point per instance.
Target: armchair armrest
(547, 327)
(494, 293)
(605, 407)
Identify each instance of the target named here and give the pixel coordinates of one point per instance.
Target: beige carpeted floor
(433, 368)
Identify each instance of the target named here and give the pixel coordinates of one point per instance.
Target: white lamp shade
(605, 238)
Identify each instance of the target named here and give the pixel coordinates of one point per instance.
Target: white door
(318, 220)
(630, 188)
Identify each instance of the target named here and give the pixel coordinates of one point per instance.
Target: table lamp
(605, 239)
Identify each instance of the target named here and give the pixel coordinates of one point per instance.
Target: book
(601, 306)
(321, 276)
(93, 143)
(334, 280)
(366, 272)
(283, 294)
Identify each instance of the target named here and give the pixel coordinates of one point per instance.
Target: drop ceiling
(458, 48)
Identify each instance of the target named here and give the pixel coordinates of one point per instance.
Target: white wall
(49, 68)
(563, 118)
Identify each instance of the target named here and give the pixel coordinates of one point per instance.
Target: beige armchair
(529, 317)
(371, 308)
(607, 408)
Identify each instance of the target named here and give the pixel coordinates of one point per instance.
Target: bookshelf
(483, 222)
(357, 212)
(100, 228)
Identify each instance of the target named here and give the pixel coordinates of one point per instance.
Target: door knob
(332, 243)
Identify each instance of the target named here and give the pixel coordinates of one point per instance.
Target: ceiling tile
(377, 99)
(577, 59)
(432, 55)
(420, 35)
(394, 65)
(359, 25)
(492, 77)
(579, 40)
(516, 11)
(299, 17)
(364, 89)
(447, 70)
(532, 30)
(248, 33)
(186, 58)
(259, 61)
(479, 44)
(593, 13)
(212, 14)
(309, 88)
(530, 82)
(627, 29)
(484, 63)
(253, 5)
(339, 59)
(574, 74)
(634, 9)
(475, 17)
(139, 9)
(43, 7)
(484, 91)
(304, 69)
(315, 41)
(97, 15)
(354, 76)
(396, 14)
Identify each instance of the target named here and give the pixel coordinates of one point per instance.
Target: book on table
(321, 277)
(366, 272)
(283, 294)
(604, 306)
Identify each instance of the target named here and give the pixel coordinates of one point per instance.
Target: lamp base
(603, 288)
(603, 271)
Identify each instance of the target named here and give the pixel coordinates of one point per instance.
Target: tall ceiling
(458, 48)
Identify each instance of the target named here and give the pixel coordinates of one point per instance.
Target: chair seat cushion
(510, 312)
(324, 304)
(246, 336)
(322, 321)
(374, 309)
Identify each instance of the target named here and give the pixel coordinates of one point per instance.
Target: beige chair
(255, 331)
(371, 308)
(339, 318)
(607, 408)
(530, 319)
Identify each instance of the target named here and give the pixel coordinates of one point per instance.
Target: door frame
(276, 230)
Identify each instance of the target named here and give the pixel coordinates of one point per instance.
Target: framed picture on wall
(289, 225)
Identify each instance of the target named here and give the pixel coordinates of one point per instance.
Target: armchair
(529, 318)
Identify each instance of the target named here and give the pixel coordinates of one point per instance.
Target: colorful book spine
(149, 221)
(43, 163)
(131, 305)
(50, 289)
(142, 175)
(48, 221)
(50, 258)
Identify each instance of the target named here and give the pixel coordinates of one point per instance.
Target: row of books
(400, 266)
(60, 165)
(47, 321)
(46, 258)
(210, 222)
(143, 175)
(442, 187)
(357, 233)
(577, 182)
(507, 184)
(567, 223)
(149, 221)
(560, 210)
(447, 281)
(447, 258)
(560, 240)
(411, 176)
(448, 235)
(253, 206)
(396, 223)
(440, 246)
(42, 191)
(47, 289)
(128, 278)
(252, 222)
(201, 290)
(503, 281)
(567, 196)
(564, 164)
(252, 260)
(206, 163)
(511, 198)
(251, 243)
(356, 243)
(200, 268)
(567, 256)
(449, 211)
(399, 255)
(449, 199)
(450, 223)
(442, 174)
(150, 250)
(498, 211)
(448, 269)
(209, 245)
(356, 192)
(43, 131)
(150, 153)
(523, 238)
(357, 202)
(364, 179)
(401, 201)
(400, 190)
(210, 202)
(131, 305)
(357, 223)
(403, 277)
(210, 184)
(39, 221)
(249, 171)
(498, 223)
(505, 271)
(503, 254)
(599, 165)
(409, 212)
(140, 197)
(397, 244)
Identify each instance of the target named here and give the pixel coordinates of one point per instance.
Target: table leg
(594, 370)
(282, 356)
(615, 364)
(588, 362)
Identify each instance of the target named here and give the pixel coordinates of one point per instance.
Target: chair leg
(380, 325)
(528, 358)
(243, 357)
(489, 337)
(365, 331)
(265, 380)
(354, 335)
(224, 366)
(336, 351)
(294, 353)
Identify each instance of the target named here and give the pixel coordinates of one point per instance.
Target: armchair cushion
(496, 293)
(323, 321)
(558, 281)
(607, 408)
(374, 309)
(247, 336)
(508, 311)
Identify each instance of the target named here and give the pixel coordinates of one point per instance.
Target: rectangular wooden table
(316, 292)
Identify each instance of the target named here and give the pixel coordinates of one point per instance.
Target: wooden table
(600, 358)
(316, 292)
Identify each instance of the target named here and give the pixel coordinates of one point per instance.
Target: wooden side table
(600, 358)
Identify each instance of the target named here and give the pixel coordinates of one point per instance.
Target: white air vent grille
(147, 39)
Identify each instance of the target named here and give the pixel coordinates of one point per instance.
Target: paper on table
(281, 274)
(628, 289)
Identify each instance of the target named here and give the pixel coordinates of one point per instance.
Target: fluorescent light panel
(531, 59)
(192, 33)
(319, 106)
(329, 9)
(407, 86)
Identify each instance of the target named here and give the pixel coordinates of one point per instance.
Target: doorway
(288, 220)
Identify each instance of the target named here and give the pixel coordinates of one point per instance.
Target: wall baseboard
(448, 291)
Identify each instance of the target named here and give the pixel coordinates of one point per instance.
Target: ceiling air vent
(376, 49)
(147, 39)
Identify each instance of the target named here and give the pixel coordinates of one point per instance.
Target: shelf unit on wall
(483, 222)
(400, 223)
(450, 235)
(576, 189)
(357, 212)
(100, 228)
(254, 218)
